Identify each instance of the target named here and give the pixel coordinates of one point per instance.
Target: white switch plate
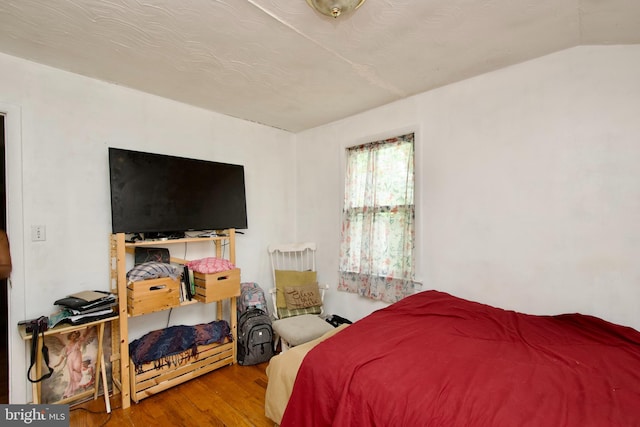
(38, 233)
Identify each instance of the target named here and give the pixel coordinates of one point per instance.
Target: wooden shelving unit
(135, 386)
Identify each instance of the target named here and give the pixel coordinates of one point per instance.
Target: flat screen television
(156, 193)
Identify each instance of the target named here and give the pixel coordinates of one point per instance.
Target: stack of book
(187, 290)
(84, 307)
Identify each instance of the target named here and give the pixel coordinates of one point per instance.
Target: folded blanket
(176, 345)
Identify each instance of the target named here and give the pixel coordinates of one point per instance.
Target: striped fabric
(152, 270)
(285, 312)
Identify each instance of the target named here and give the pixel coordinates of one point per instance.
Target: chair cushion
(302, 296)
(285, 312)
(301, 329)
(286, 278)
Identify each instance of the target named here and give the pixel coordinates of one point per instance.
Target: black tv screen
(155, 193)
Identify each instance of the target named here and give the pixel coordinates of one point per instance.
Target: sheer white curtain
(377, 241)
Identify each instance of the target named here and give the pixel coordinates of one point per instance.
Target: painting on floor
(73, 358)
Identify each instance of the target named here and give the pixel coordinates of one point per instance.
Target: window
(377, 241)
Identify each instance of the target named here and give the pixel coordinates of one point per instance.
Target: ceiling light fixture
(335, 8)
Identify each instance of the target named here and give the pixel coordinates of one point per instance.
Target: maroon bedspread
(436, 360)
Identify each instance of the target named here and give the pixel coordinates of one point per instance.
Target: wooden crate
(151, 380)
(147, 296)
(217, 286)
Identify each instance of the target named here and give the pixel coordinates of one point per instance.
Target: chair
(297, 297)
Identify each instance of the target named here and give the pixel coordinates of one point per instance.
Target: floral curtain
(377, 240)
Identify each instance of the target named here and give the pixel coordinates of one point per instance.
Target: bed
(433, 359)
(282, 371)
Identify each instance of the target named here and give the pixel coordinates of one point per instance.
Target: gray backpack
(255, 337)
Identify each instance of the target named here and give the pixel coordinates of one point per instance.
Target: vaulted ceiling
(280, 63)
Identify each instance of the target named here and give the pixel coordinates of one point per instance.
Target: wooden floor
(230, 396)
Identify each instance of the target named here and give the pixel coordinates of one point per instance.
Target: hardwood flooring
(230, 396)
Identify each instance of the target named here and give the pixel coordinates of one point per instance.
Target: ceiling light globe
(335, 8)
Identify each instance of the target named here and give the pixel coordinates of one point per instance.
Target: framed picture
(73, 358)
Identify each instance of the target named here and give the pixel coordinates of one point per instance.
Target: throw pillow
(302, 296)
(286, 278)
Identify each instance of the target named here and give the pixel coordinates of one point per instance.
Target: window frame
(379, 139)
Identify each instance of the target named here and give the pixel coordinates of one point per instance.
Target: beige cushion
(302, 296)
(286, 278)
(301, 329)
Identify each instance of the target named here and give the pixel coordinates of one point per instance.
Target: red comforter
(436, 360)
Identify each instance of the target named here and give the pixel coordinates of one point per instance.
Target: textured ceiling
(279, 63)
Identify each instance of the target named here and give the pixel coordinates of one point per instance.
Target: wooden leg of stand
(37, 387)
(99, 361)
(105, 386)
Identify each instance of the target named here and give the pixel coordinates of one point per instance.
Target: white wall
(59, 127)
(528, 185)
(528, 189)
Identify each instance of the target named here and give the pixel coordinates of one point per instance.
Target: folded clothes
(175, 345)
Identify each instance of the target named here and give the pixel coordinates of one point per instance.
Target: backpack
(255, 337)
(251, 295)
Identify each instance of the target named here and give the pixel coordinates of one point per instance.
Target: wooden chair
(294, 264)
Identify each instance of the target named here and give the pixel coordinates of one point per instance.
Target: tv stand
(210, 288)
